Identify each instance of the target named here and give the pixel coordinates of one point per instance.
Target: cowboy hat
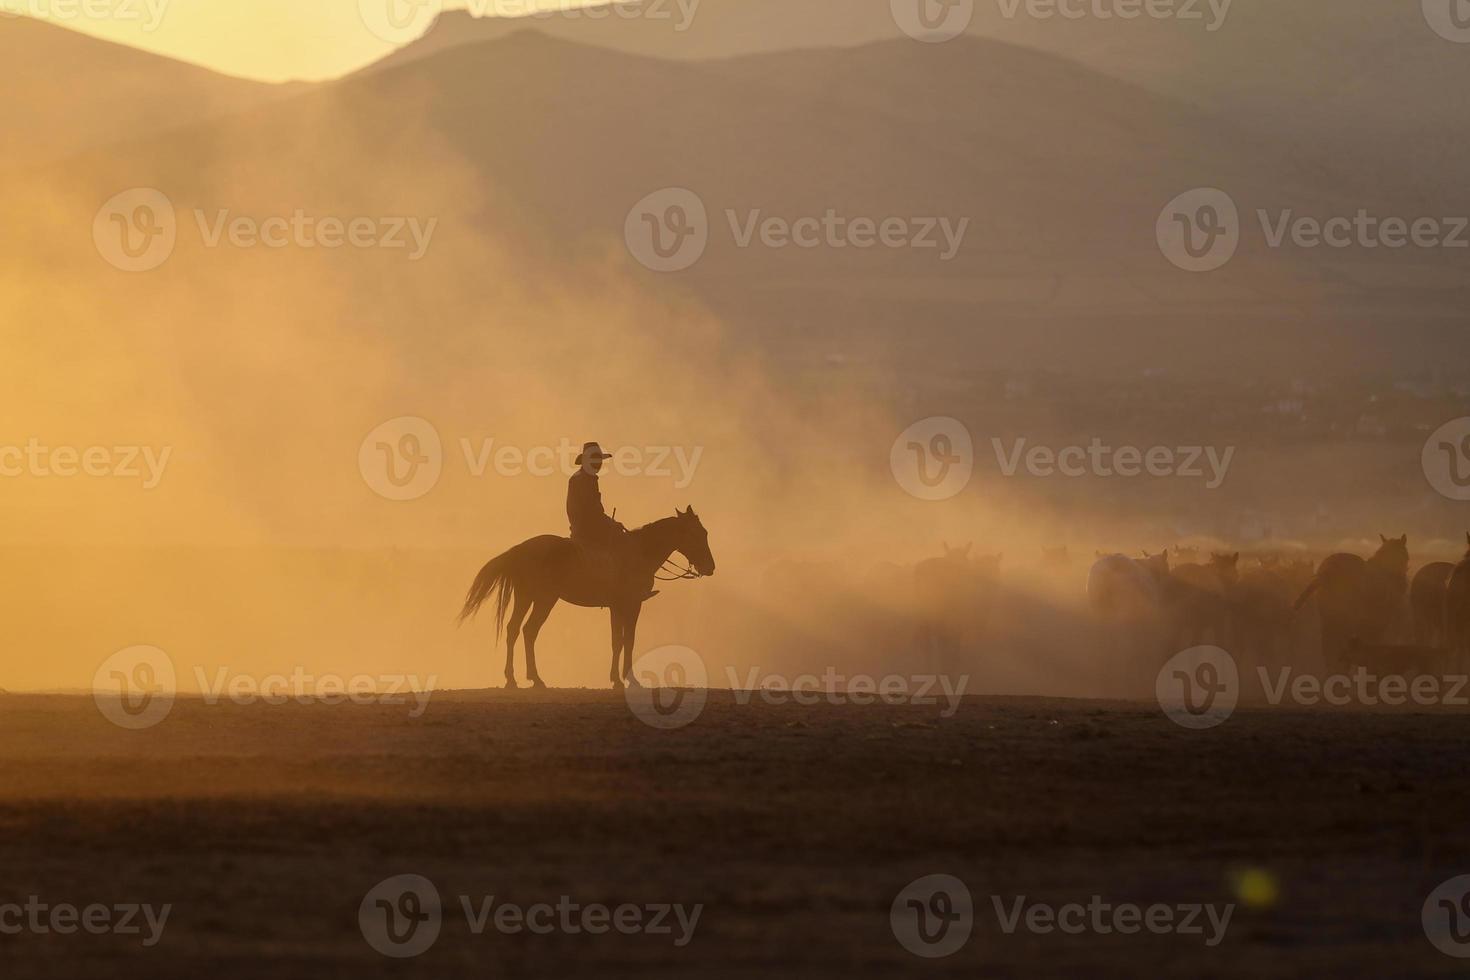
(591, 450)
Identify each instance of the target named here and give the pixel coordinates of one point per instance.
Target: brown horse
(1457, 611)
(538, 573)
(1358, 599)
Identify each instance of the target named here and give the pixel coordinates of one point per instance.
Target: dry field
(795, 827)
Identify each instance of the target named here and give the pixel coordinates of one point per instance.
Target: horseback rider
(591, 526)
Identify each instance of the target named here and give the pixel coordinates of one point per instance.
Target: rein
(677, 573)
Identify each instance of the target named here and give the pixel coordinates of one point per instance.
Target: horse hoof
(538, 684)
(617, 685)
(510, 684)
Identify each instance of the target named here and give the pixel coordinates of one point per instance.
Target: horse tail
(494, 577)
(1301, 600)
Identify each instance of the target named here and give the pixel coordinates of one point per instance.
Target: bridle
(677, 573)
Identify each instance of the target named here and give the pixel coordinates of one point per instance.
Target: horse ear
(1404, 540)
(1382, 539)
(677, 511)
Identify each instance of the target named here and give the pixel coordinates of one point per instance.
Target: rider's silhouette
(592, 528)
(590, 523)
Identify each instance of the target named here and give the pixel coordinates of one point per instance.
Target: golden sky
(271, 40)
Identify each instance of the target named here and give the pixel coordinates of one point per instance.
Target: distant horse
(952, 594)
(1126, 598)
(1198, 599)
(538, 573)
(1457, 610)
(1426, 601)
(1358, 599)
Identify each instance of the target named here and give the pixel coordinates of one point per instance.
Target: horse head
(1393, 554)
(693, 542)
(1226, 566)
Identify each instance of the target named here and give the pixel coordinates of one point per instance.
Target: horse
(952, 592)
(1126, 598)
(1358, 599)
(1198, 598)
(1427, 602)
(1457, 611)
(541, 571)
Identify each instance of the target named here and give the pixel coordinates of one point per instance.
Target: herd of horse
(1367, 610)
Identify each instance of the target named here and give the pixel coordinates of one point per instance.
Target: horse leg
(513, 633)
(615, 617)
(630, 630)
(540, 609)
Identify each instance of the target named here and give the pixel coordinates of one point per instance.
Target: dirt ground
(795, 827)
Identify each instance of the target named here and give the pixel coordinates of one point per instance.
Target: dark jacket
(584, 508)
